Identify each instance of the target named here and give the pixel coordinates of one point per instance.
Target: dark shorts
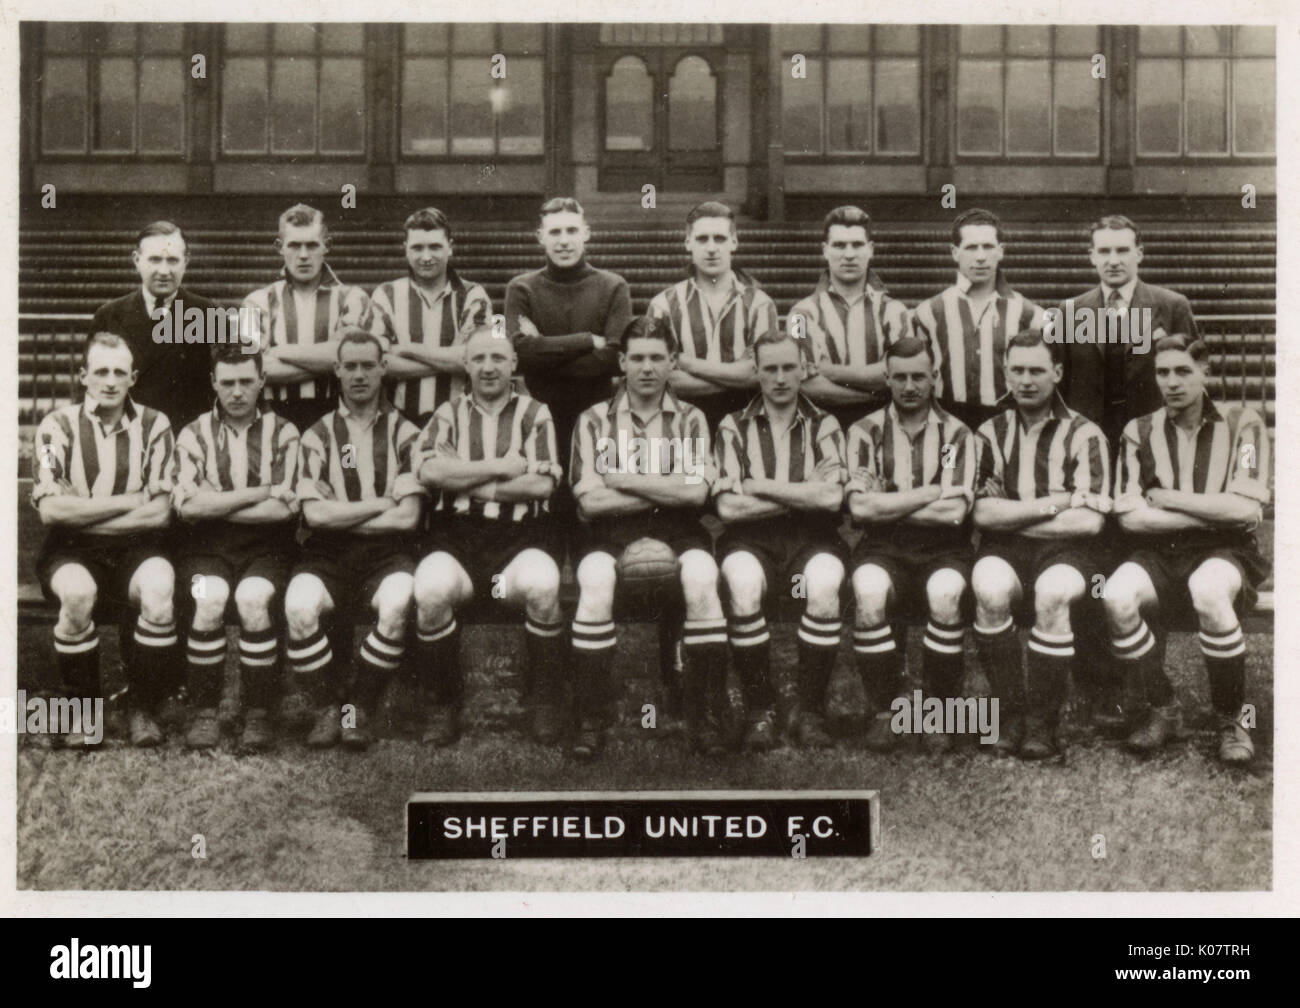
(1030, 557)
(484, 547)
(1170, 560)
(111, 561)
(681, 530)
(909, 555)
(783, 546)
(234, 552)
(352, 566)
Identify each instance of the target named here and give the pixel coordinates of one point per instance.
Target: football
(647, 565)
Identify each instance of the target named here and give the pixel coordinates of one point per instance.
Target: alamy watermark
(40, 715)
(655, 456)
(242, 325)
(1077, 324)
(915, 715)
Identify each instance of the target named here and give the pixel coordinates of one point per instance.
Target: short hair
(652, 328)
(775, 337)
(106, 339)
(231, 353)
(161, 227)
(1114, 222)
(846, 216)
(1030, 338)
(355, 334)
(477, 329)
(710, 208)
(427, 219)
(975, 217)
(302, 215)
(1194, 348)
(560, 204)
(909, 346)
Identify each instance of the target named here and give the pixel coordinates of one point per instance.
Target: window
(1028, 91)
(452, 104)
(293, 89)
(1208, 91)
(629, 106)
(113, 89)
(859, 93)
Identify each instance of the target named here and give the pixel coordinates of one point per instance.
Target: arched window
(629, 106)
(692, 106)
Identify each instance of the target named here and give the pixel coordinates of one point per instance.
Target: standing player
(299, 318)
(971, 322)
(1193, 479)
(233, 476)
(492, 454)
(911, 484)
(663, 502)
(101, 485)
(361, 501)
(566, 321)
(170, 372)
(779, 491)
(1041, 496)
(425, 315)
(714, 317)
(850, 319)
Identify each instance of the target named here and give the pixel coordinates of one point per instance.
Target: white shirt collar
(151, 303)
(1125, 292)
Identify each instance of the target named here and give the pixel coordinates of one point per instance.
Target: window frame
(823, 54)
(449, 55)
(1002, 57)
(91, 52)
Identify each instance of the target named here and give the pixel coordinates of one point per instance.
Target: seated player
(492, 455)
(1192, 482)
(101, 486)
(911, 484)
(779, 491)
(233, 475)
(663, 501)
(1042, 492)
(361, 502)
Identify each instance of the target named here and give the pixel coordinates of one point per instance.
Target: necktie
(1113, 353)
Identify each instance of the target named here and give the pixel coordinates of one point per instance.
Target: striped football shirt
(943, 452)
(1227, 453)
(972, 343)
(76, 455)
(811, 449)
(406, 314)
(462, 429)
(1064, 452)
(851, 332)
(340, 458)
(282, 320)
(209, 450)
(724, 338)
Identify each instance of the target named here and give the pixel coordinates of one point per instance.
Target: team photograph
(518, 409)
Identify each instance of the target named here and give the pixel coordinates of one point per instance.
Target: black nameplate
(594, 824)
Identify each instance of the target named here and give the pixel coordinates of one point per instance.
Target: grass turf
(299, 820)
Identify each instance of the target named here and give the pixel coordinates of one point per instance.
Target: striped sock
(257, 656)
(310, 656)
(1049, 660)
(437, 655)
(205, 663)
(819, 642)
(155, 661)
(999, 654)
(1225, 663)
(593, 656)
(545, 647)
(78, 662)
(380, 657)
(943, 668)
(750, 654)
(1137, 656)
(704, 642)
(880, 665)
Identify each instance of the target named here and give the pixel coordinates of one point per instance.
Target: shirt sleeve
(583, 472)
(828, 452)
(255, 313)
(313, 470)
(697, 430)
(988, 479)
(728, 458)
(860, 458)
(958, 478)
(381, 306)
(763, 318)
(897, 319)
(539, 446)
(50, 461)
(475, 312)
(1129, 490)
(284, 467)
(405, 483)
(1250, 459)
(1090, 468)
(158, 457)
(189, 463)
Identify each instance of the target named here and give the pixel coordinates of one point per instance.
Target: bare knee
(699, 577)
(304, 604)
(153, 584)
(210, 594)
(392, 604)
(871, 588)
(253, 600)
(745, 583)
(943, 592)
(824, 576)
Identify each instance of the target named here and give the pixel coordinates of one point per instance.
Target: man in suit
(1111, 383)
(173, 373)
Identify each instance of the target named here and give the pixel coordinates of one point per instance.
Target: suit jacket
(1083, 385)
(174, 377)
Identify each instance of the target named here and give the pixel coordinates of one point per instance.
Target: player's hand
(598, 342)
(510, 466)
(992, 488)
(141, 499)
(933, 491)
(526, 327)
(1157, 497)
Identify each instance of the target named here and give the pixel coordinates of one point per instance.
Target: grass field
(298, 820)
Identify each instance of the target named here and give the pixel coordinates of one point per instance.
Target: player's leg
(1214, 587)
(76, 638)
(306, 604)
(1050, 657)
(593, 640)
(532, 579)
(441, 585)
(257, 658)
(942, 665)
(151, 590)
(750, 645)
(380, 655)
(205, 657)
(819, 643)
(880, 658)
(1129, 591)
(997, 589)
(704, 641)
